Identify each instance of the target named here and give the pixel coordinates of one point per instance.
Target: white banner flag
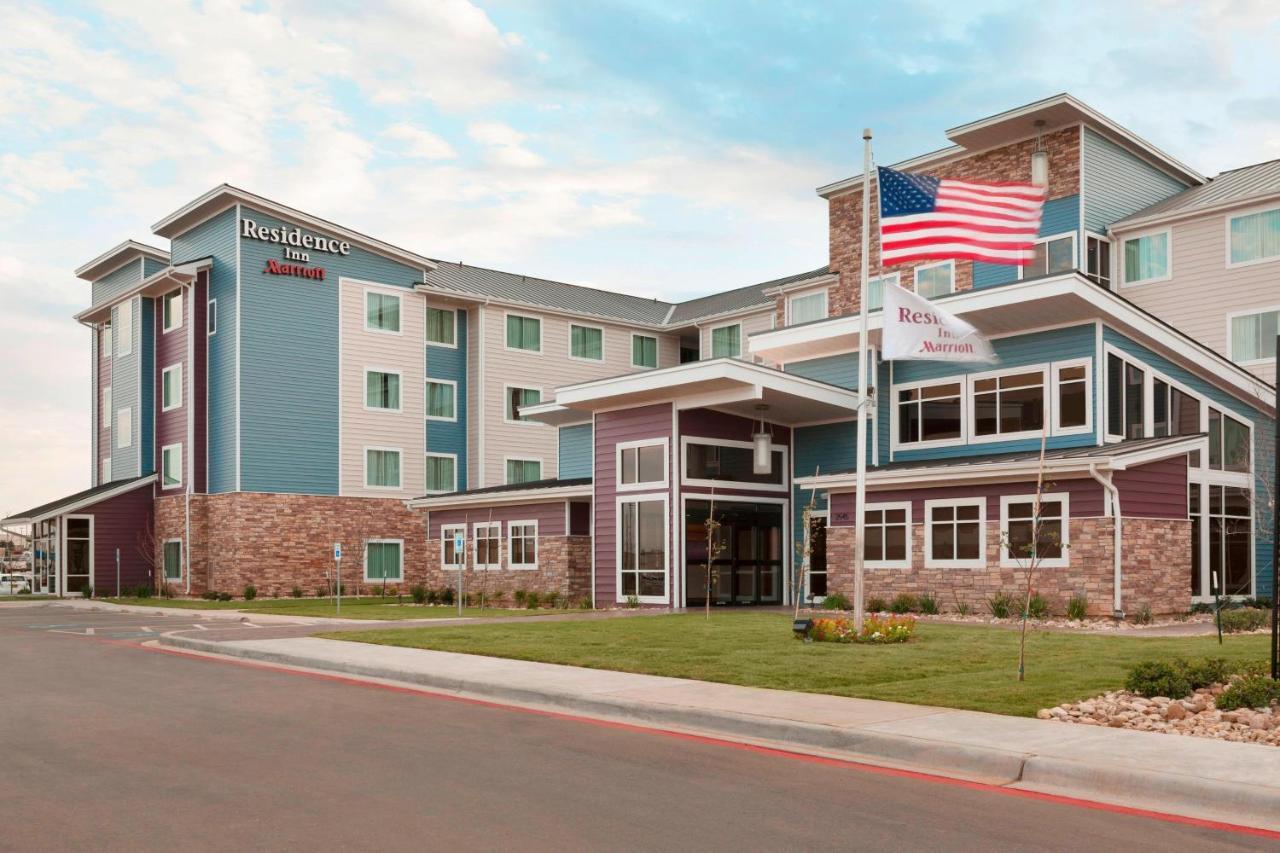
(915, 328)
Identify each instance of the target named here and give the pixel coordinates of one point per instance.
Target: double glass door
(748, 558)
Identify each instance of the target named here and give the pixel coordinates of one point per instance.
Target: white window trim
(657, 351)
(164, 373)
(124, 437)
(453, 312)
(896, 445)
(538, 459)
(650, 485)
(826, 302)
(399, 578)
(1123, 276)
(364, 305)
(915, 277)
(1075, 258)
(163, 453)
(541, 329)
(399, 486)
(711, 339)
(506, 397)
(426, 399)
(430, 455)
(1105, 243)
(364, 390)
(446, 535)
(537, 549)
(664, 497)
(164, 297)
(123, 343)
(569, 346)
(182, 559)
(929, 562)
(1226, 226)
(211, 319)
(475, 545)
(1090, 402)
(1007, 560)
(970, 401)
(892, 564)
(732, 485)
(1250, 312)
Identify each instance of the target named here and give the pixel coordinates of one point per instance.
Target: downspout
(1117, 537)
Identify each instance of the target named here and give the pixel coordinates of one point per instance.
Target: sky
(662, 148)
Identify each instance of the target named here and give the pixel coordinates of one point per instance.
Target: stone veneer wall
(564, 567)
(1156, 570)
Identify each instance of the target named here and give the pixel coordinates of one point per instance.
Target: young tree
(715, 547)
(1027, 553)
(804, 549)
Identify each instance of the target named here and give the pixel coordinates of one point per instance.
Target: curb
(198, 614)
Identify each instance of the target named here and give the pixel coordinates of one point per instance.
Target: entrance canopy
(726, 384)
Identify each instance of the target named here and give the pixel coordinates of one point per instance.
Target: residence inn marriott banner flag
(915, 328)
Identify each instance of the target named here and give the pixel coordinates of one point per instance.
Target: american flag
(923, 217)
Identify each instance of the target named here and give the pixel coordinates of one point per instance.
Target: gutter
(1117, 610)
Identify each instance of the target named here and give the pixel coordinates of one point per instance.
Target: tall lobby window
(1230, 539)
(955, 532)
(1253, 337)
(1229, 443)
(1097, 260)
(441, 401)
(382, 390)
(709, 463)
(875, 289)
(122, 323)
(106, 340)
(381, 468)
(935, 279)
(1071, 382)
(1255, 237)
(383, 560)
(1146, 258)
(440, 327)
(807, 307)
(888, 529)
(488, 545)
(171, 466)
(644, 351)
(382, 312)
(522, 544)
(441, 473)
(523, 471)
(517, 397)
(171, 310)
(524, 333)
(642, 538)
(171, 388)
(1125, 400)
(1008, 405)
(586, 342)
(726, 341)
(173, 560)
(643, 464)
(1020, 543)
(1054, 255)
(930, 413)
(124, 427)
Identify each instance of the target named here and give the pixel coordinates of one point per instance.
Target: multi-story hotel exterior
(275, 384)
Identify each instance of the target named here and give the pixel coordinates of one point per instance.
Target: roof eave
(118, 256)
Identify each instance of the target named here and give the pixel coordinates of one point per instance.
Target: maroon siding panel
(171, 427)
(200, 359)
(612, 428)
(1157, 490)
(580, 518)
(121, 522)
(1086, 498)
(548, 514)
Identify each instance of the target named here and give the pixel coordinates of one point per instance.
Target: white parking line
(148, 630)
(90, 631)
(200, 627)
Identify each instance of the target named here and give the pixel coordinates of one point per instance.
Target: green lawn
(954, 666)
(365, 607)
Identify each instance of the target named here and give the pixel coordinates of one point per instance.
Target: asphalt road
(110, 745)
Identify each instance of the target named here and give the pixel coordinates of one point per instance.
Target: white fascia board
(529, 496)
(1123, 461)
(978, 471)
(1124, 226)
(125, 252)
(182, 274)
(932, 157)
(826, 279)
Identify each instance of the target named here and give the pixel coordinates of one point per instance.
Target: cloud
(505, 145)
(423, 144)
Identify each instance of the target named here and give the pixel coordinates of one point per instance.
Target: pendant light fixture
(1040, 159)
(761, 445)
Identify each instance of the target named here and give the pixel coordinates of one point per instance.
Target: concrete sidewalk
(1233, 782)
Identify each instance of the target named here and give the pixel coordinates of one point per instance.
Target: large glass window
(382, 469)
(171, 388)
(171, 466)
(1073, 397)
(808, 307)
(523, 471)
(1255, 236)
(644, 351)
(1010, 404)
(730, 463)
(1022, 544)
(1230, 540)
(79, 542)
(450, 555)
(1146, 258)
(524, 333)
(641, 465)
(930, 413)
(441, 400)
(726, 342)
(1253, 336)
(441, 473)
(1052, 256)
(956, 531)
(1134, 414)
(935, 280)
(1229, 443)
(517, 397)
(888, 532)
(1195, 512)
(1098, 260)
(522, 544)
(382, 560)
(171, 310)
(382, 312)
(586, 342)
(173, 560)
(382, 390)
(488, 545)
(642, 538)
(440, 327)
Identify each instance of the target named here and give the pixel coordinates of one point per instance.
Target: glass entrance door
(79, 547)
(748, 561)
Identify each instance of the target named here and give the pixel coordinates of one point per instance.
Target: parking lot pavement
(57, 618)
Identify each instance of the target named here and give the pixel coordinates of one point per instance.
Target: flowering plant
(875, 629)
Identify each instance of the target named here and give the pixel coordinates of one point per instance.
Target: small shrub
(224, 596)
(1037, 607)
(633, 601)
(1143, 615)
(143, 591)
(433, 597)
(322, 592)
(446, 595)
(584, 604)
(894, 629)
(296, 592)
(962, 608)
(1257, 666)
(1001, 605)
(903, 602)
(1205, 672)
(1077, 607)
(836, 601)
(1258, 602)
(521, 596)
(419, 593)
(928, 605)
(532, 599)
(876, 604)
(209, 595)
(497, 596)
(1244, 619)
(1252, 691)
(250, 592)
(551, 599)
(26, 590)
(1157, 678)
(87, 592)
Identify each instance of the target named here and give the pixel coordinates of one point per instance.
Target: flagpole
(860, 489)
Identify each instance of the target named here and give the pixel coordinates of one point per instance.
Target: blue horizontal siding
(115, 283)
(147, 390)
(1116, 183)
(1061, 215)
(819, 450)
(126, 391)
(444, 436)
(992, 275)
(575, 451)
(150, 266)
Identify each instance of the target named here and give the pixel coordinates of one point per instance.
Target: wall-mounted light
(1040, 159)
(761, 446)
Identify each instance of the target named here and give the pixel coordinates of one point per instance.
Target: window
(171, 388)
(1125, 388)
(1097, 262)
(524, 333)
(104, 475)
(875, 290)
(213, 317)
(383, 560)
(1052, 255)
(930, 413)
(708, 463)
(105, 417)
(488, 545)
(171, 310)
(517, 397)
(1146, 258)
(382, 390)
(955, 534)
(1229, 443)
(935, 279)
(122, 322)
(173, 560)
(450, 555)
(522, 544)
(1253, 336)
(441, 400)
(1008, 405)
(523, 471)
(1230, 540)
(642, 549)
(807, 307)
(644, 351)
(1133, 410)
(642, 464)
(381, 468)
(1072, 404)
(586, 342)
(726, 341)
(170, 466)
(441, 327)
(1254, 237)
(124, 427)
(382, 312)
(106, 340)
(441, 473)
(1021, 543)
(888, 535)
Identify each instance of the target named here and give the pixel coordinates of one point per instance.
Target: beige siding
(360, 428)
(474, 414)
(757, 321)
(1202, 290)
